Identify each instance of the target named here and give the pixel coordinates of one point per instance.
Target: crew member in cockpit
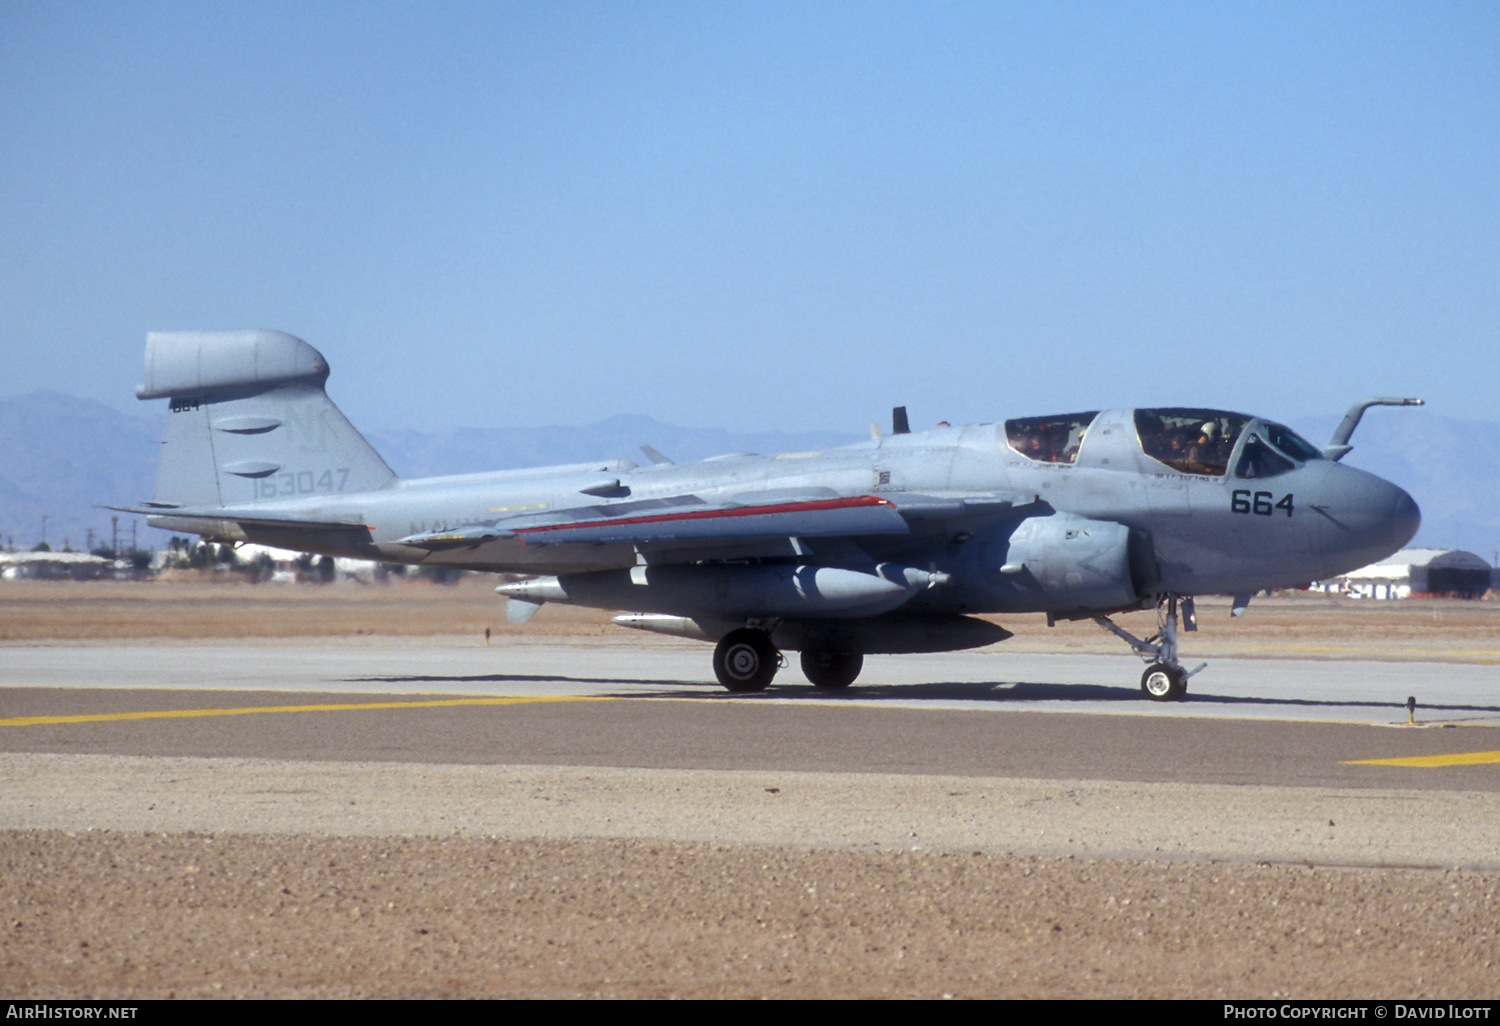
(1206, 456)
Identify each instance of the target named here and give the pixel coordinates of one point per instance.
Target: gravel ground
(283, 879)
(190, 916)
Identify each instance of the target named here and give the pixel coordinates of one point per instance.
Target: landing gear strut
(1165, 680)
(745, 660)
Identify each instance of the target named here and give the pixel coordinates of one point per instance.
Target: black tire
(745, 660)
(1163, 683)
(831, 670)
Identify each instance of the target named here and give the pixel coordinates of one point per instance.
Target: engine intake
(1091, 564)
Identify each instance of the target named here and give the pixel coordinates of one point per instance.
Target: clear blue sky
(758, 214)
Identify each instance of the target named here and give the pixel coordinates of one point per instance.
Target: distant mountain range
(60, 456)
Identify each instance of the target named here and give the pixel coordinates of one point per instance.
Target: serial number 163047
(303, 482)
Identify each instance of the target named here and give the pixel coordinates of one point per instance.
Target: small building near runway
(54, 566)
(1450, 573)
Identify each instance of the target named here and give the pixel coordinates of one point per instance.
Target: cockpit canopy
(1049, 439)
(1273, 449)
(1190, 441)
(1204, 442)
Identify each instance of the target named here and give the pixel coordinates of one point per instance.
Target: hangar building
(1450, 572)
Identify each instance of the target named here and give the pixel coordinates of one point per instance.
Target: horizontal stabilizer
(246, 518)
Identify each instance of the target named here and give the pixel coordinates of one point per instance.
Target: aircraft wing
(946, 506)
(685, 518)
(860, 514)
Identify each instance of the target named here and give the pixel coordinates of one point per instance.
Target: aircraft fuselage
(1209, 534)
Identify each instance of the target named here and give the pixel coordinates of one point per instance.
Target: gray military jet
(886, 546)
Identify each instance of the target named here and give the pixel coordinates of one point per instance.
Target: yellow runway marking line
(1431, 761)
(1478, 655)
(170, 714)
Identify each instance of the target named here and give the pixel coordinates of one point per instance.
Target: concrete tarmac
(1348, 690)
(1268, 760)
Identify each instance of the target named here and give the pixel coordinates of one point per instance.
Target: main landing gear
(1165, 680)
(831, 670)
(746, 660)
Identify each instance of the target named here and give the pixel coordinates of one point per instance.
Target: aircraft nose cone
(1406, 519)
(1368, 518)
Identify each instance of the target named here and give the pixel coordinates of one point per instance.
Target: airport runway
(1002, 677)
(1267, 760)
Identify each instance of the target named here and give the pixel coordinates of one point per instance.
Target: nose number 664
(1242, 500)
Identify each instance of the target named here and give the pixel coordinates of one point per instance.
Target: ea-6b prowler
(886, 546)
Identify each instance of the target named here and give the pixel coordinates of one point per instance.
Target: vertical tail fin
(250, 421)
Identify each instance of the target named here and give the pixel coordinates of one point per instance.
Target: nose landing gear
(1165, 680)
